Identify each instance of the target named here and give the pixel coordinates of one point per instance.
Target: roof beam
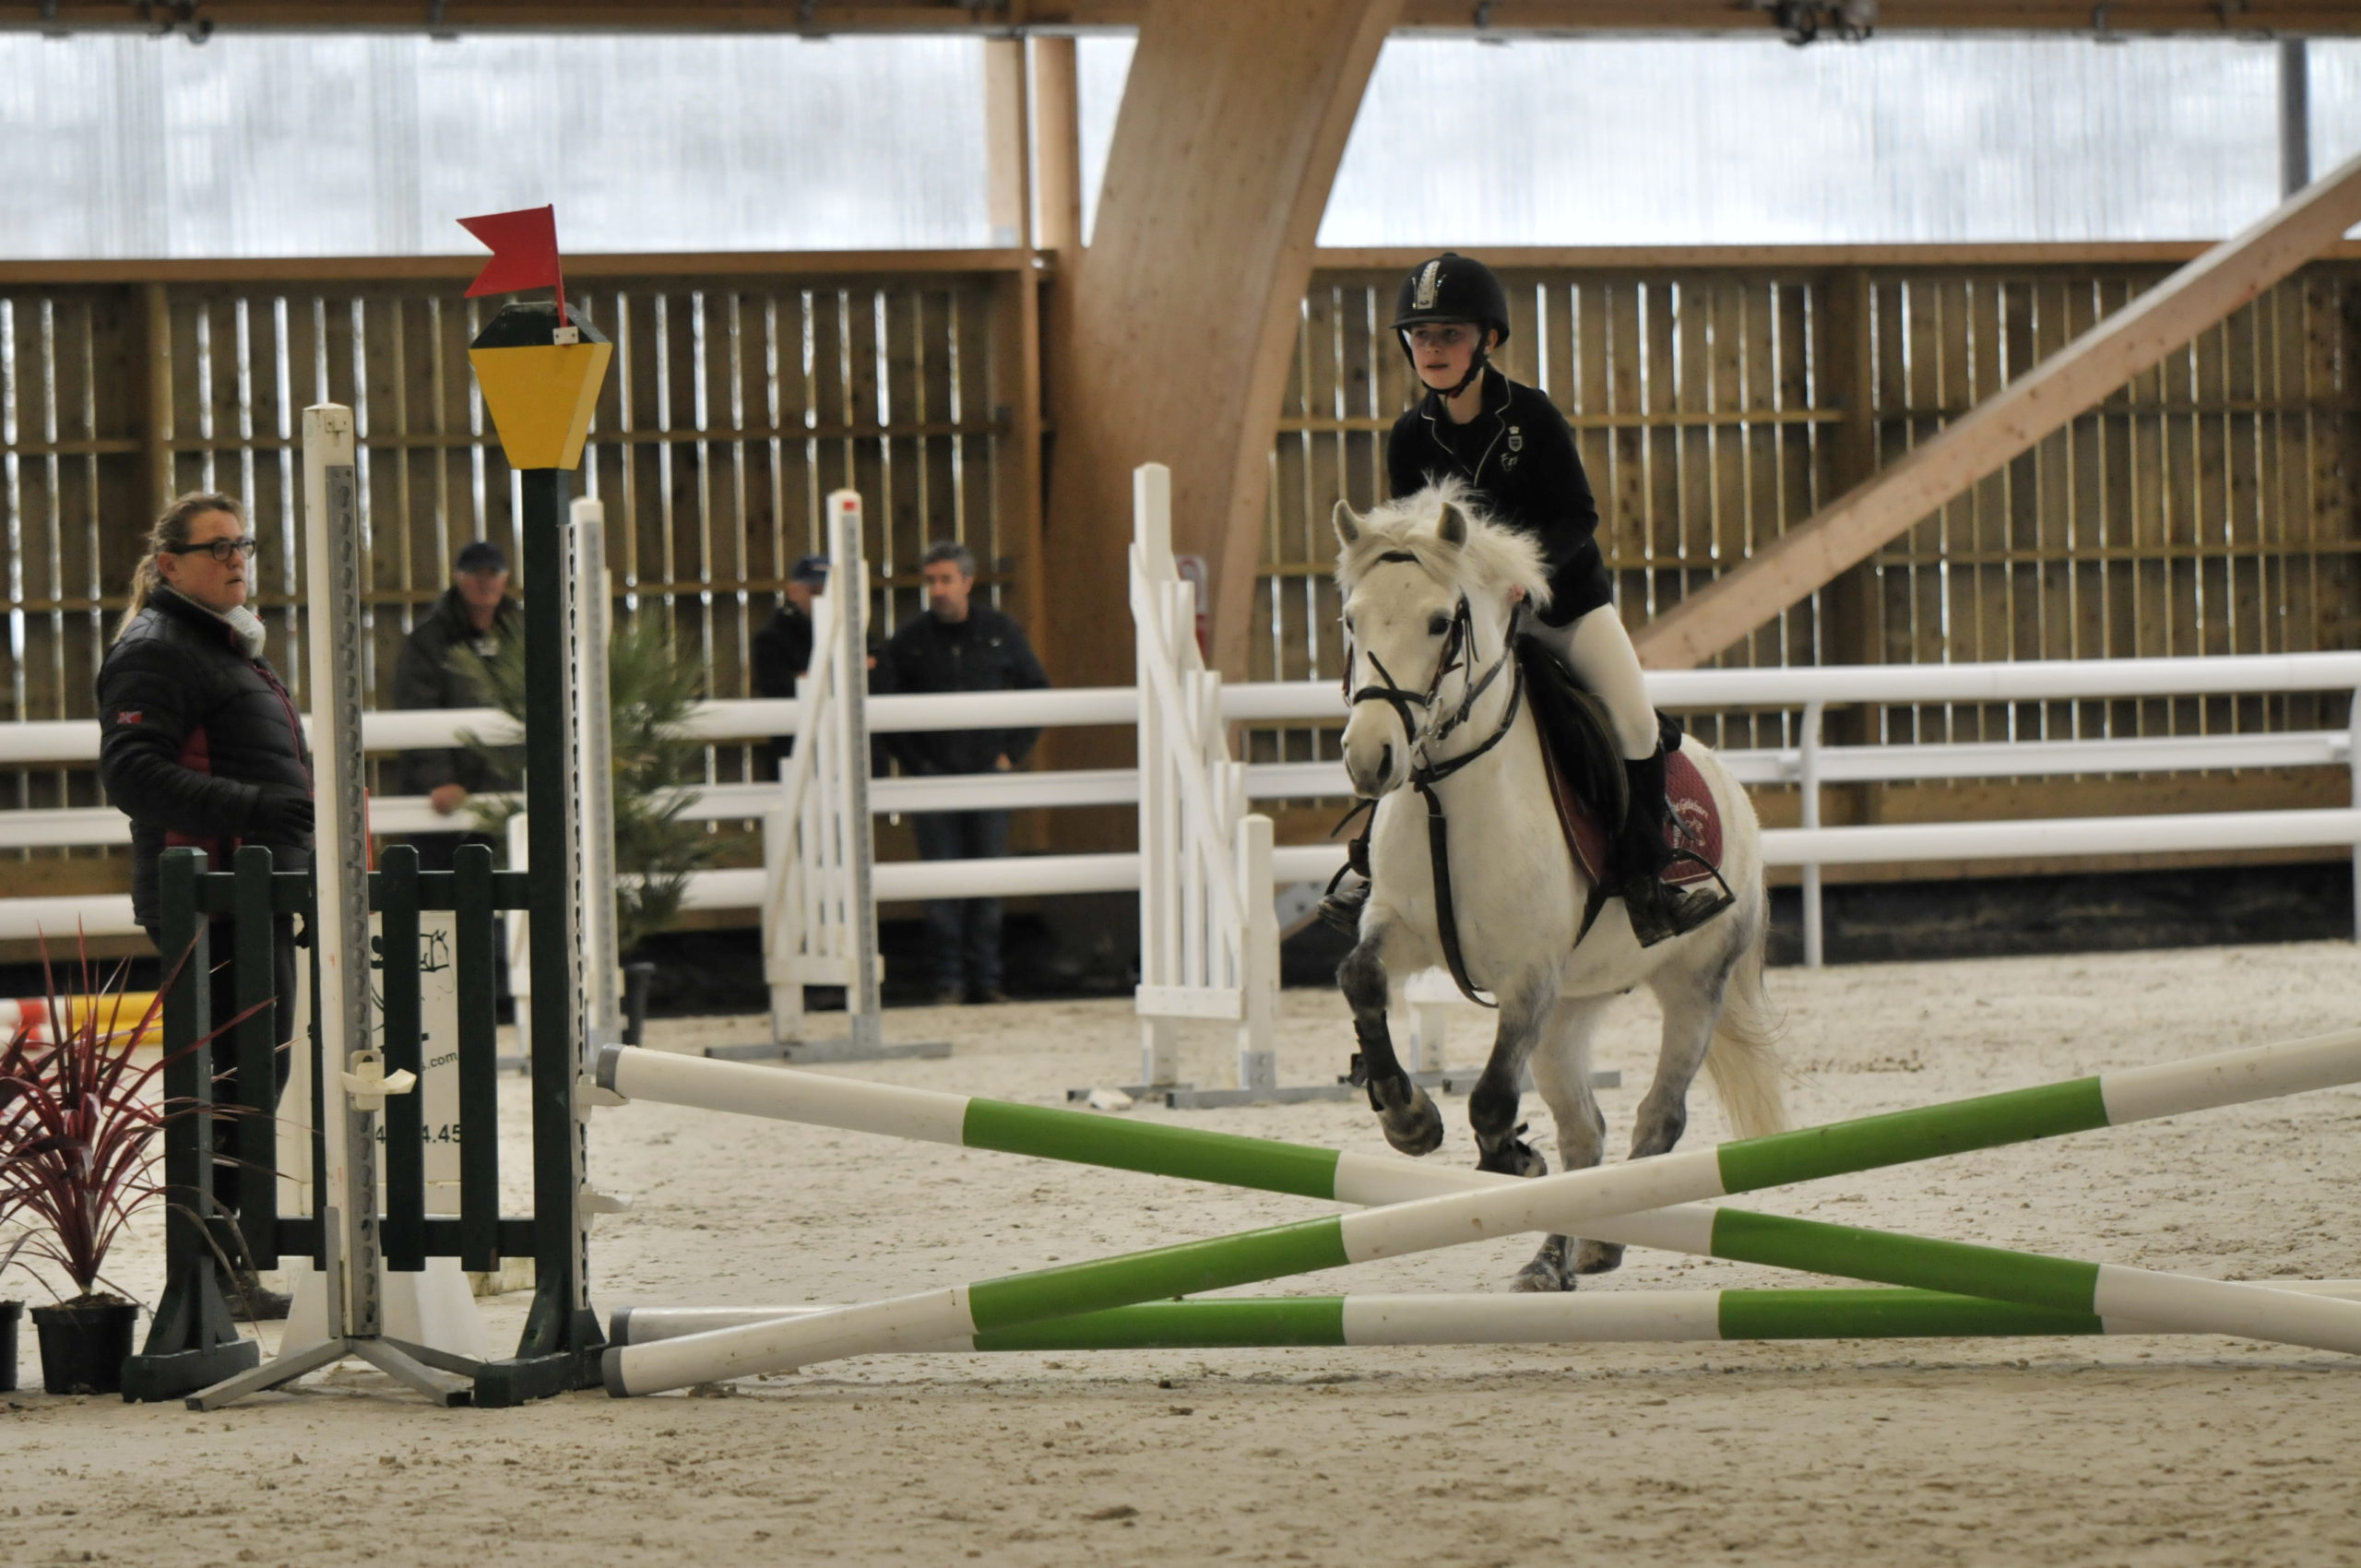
(2074, 379)
(1506, 19)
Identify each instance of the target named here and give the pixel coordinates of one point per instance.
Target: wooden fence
(1719, 398)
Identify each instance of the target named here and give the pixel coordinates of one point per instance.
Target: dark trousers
(229, 1144)
(963, 933)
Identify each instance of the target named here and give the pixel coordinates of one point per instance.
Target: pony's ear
(1452, 529)
(1348, 524)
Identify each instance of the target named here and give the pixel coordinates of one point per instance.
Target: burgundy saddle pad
(1696, 824)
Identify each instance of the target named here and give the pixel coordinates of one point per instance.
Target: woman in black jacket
(1515, 452)
(199, 744)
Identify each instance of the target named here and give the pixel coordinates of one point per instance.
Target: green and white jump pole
(1410, 1220)
(1573, 1318)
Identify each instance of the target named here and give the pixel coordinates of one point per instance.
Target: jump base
(151, 1379)
(503, 1384)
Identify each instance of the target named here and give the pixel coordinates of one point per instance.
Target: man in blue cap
(442, 667)
(783, 646)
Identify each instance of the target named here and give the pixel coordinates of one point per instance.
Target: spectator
(955, 644)
(442, 667)
(783, 646)
(199, 746)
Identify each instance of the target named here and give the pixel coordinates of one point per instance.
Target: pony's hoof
(1515, 1158)
(1599, 1257)
(1543, 1274)
(1412, 1125)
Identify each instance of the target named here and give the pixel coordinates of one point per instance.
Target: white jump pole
(1573, 1202)
(1560, 1318)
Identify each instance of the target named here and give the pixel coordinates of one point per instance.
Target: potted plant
(651, 690)
(79, 1126)
(11, 1314)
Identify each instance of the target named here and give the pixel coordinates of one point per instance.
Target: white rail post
(849, 572)
(1813, 714)
(1162, 844)
(340, 935)
(520, 948)
(2352, 762)
(1258, 957)
(594, 748)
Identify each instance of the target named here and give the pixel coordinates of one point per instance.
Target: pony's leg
(1692, 1005)
(1408, 1117)
(1492, 1104)
(1562, 1072)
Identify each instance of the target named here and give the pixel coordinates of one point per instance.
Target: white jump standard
(1575, 1200)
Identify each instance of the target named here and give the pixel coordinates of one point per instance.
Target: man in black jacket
(442, 667)
(955, 645)
(783, 646)
(199, 744)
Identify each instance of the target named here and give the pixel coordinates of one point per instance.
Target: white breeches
(1598, 650)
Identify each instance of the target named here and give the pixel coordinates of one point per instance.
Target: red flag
(524, 251)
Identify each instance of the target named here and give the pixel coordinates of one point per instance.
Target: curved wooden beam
(1186, 304)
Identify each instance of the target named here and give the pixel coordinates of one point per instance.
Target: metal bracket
(369, 1083)
(589, 1094)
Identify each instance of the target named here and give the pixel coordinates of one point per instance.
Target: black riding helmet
(1452, 287)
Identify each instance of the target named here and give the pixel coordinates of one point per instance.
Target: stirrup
(1660, 911)
(1341, 911)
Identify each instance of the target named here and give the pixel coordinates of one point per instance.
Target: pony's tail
(1743, 1061)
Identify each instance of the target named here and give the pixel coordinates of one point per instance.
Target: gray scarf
(247, 627)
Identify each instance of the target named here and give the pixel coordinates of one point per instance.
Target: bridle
(1459, 652)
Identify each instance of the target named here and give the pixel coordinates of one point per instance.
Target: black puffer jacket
(441, 667)
(192, 732)
(986, 652)
(1518, 455)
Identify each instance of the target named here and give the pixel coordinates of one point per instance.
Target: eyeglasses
(222, 549)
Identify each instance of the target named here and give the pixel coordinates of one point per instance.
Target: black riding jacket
(442, 667)
(1518, 456)
(782, 651)
(189, 726)
(986, 652)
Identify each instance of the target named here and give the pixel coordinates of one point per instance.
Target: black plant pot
(84, 1345)
(637, 977)
(10, 1313)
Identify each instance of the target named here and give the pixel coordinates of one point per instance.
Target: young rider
(1516, 451)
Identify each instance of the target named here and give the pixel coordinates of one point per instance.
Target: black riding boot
(1658, 910)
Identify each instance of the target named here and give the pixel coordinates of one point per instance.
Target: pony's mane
(1495, 559)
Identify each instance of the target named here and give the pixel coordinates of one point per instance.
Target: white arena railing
(1811, 764)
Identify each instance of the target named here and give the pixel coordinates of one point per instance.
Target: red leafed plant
(78, 1130)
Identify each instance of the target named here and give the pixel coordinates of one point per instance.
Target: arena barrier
(1417, 1207)
(1568, 1318)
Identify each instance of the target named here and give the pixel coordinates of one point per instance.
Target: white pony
(1430, 585)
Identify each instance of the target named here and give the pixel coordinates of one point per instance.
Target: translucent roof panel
(1744, 141)
(121, 146)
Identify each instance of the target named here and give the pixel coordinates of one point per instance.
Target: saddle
(1586, 782)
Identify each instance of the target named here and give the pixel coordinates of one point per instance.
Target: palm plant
(79, 1131)
(651, 690)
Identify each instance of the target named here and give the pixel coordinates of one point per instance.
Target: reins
(1423, 776)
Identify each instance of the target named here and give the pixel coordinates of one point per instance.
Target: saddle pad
(1696, 824)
